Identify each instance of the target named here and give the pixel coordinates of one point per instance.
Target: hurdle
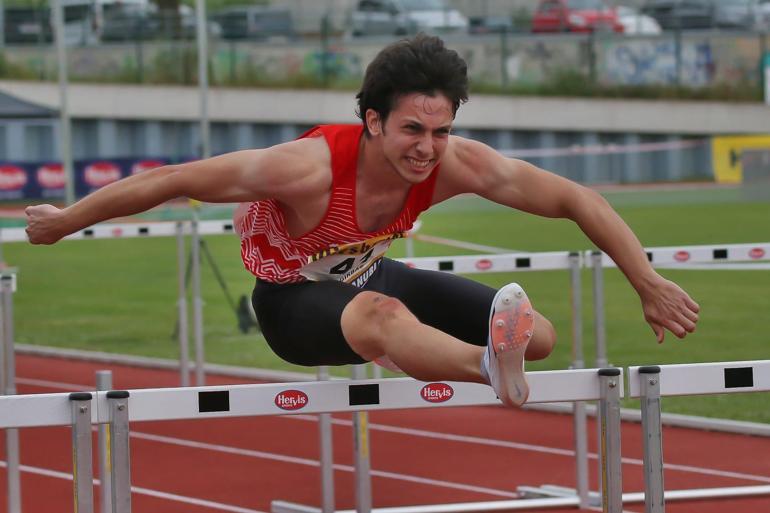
(8, 386)
(195, 228)
(118, 408)
(651, 383)
(526, 262)
(699, 257)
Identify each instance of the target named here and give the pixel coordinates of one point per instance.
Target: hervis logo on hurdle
(437, 392)
(682, 256)
(484, 264)
(757, 253)
(291, 400)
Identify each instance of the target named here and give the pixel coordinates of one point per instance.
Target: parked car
(27, 25)
(763, 15)
(143, 25)
(575, 16)
(256, 22)
(490, 25)
(129, 24)
(701, 14)
(636, 23)
(402, 17)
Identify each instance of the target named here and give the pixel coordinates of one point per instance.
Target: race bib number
(352, 263)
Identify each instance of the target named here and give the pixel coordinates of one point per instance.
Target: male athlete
(318, 213)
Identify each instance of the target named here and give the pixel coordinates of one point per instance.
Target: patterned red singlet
(336, 249)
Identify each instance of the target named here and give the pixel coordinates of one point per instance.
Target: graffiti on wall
(243, 63)
(521, 60)
(335, 63)
(642, 62)
(704, 60)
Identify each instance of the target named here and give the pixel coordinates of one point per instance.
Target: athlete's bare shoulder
(314, 148)
(301, 155)
(294, 169)
(462, 167)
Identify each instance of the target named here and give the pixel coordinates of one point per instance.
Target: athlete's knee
(366, 322)
(543, 340)
(375, 311)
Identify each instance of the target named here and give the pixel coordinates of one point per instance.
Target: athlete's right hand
(43, 226)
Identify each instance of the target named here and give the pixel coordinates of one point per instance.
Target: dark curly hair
(421, 64)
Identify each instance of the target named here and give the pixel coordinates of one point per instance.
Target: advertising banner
(766, 69)
(20, 181)
(726, 155)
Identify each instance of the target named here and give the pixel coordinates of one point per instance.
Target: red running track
(444, 455)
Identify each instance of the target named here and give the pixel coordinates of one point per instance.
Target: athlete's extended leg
(454, 304)
(460, 309)
(375, 325)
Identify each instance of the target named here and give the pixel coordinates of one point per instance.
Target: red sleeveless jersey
(336, 249)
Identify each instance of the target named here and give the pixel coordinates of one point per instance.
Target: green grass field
(120, 295)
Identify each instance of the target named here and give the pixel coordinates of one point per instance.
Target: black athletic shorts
(301, 321)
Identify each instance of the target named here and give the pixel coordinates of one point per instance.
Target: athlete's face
(415, 135)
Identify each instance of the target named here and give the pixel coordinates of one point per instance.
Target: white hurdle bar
(650, 383)
(37, 410)
(679, 257)
(118, 408)
(497, 263)
(128, 230)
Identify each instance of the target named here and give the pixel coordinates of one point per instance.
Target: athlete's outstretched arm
(249, 175)
(520, 185)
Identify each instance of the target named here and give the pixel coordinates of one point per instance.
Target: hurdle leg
(104, 382)
(652, 435)
(580, 428)
(195, 249)
(120, 461)
(12, 469)
(326, 453)
(610, 462)
(8, 384)
(82, 471)
(182, 321)
(600, 335)
(361, 452)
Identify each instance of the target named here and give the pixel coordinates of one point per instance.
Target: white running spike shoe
(511, 324)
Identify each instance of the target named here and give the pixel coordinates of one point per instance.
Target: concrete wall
(591, 141)
(171, 103)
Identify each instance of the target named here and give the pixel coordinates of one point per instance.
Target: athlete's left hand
(43, 224)
(667, 307)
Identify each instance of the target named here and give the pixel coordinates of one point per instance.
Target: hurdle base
(703, 493)
(467, 507)
(594, 498)
(637, 497)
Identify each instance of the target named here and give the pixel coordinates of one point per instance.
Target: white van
(83, 19)
(404, 17)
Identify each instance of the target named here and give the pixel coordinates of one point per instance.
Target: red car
(575, 16)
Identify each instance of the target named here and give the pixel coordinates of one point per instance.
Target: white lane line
(704, 471)
(142, 491)
(469, 439)
(463, 244)
(54, 385)
(532, 448)
(315, 463)
(447, 436)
